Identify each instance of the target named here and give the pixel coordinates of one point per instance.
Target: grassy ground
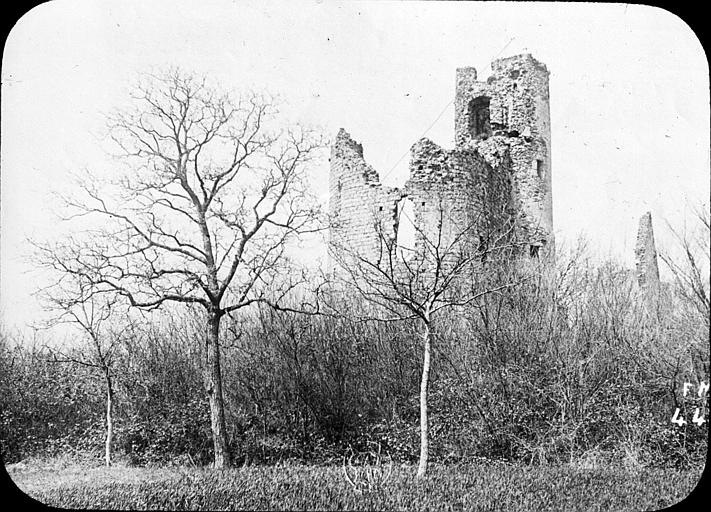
(296, 487)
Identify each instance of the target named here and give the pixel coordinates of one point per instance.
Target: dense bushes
(571, 365)
(315, 382)
(580, 363)
(45, 407)
(164, 414)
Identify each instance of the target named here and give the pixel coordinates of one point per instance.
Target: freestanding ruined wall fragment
(360, 206)
(646, 254)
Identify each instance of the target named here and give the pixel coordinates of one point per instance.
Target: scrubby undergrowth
(571, 366)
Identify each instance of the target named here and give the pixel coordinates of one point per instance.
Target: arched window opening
(479, 122)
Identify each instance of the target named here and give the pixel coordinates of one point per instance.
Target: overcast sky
(629, 96)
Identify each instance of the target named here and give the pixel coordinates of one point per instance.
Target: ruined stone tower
(498, 172)
(510, 113)
(646, 254)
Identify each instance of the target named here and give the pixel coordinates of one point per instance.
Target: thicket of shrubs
(574, 365)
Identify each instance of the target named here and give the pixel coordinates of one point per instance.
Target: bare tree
(68, 299)
(690, 271)
(204, 214)
(440, 273)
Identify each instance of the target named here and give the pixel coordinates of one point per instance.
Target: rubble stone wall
(360, 205)
(459, 190)
(646, 254)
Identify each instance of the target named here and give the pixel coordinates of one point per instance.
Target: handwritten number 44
(678, 419)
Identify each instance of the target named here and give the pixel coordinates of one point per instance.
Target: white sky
(629, 96)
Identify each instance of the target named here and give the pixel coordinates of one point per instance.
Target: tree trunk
(109, 418)
(424, 427)
(214, 391)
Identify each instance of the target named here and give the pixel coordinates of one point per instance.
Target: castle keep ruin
(498, 171)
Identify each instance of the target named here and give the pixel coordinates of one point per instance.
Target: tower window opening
(533, 251)
(539, 169)
(479, 122)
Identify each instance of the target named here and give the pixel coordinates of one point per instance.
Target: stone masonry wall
(459, 189)
(360, 205)
(646, 254)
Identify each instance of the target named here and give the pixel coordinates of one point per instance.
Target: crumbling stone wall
(459, 190)
(498, 169)
(359, 204)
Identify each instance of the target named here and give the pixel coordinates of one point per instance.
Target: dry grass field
(485, 487)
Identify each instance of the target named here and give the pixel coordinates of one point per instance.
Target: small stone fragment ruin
(645, 252)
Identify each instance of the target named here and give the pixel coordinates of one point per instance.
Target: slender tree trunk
(424, 426)
(214, 391)
(109, 417)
